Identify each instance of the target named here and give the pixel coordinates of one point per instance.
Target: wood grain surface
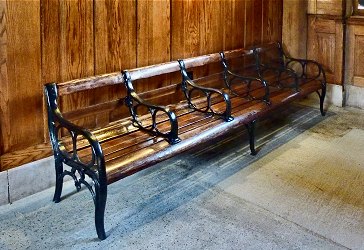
(57, 41)
(325, 45)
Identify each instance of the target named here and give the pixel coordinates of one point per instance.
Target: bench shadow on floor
(147, 195)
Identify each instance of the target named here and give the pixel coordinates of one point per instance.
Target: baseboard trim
(354, 96)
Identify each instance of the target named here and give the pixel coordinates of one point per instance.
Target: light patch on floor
(316, 180)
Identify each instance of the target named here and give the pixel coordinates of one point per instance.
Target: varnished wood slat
(93, 82)
(121, 167)
(94, 109)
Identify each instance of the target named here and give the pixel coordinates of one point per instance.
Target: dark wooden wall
(59, 40)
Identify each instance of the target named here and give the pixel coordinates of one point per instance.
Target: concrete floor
(304, 190)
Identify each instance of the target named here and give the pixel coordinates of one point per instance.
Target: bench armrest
(304, 63)
(280, 71)
(56, 122)
(189, 86)
(134, 102)
(248, 80)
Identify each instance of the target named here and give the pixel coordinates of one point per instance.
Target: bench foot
(251, 131)
(59, 181)
(322, 99)
(100, 203)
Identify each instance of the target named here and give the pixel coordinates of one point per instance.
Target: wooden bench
(191, 111)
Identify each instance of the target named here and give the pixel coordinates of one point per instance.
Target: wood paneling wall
(355, 52)
(294, 28)
(58, 40)
(325, 45)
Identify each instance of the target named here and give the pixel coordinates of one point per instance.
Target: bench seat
(210, 108)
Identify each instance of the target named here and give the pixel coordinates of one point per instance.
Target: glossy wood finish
(355, 52)
(128, 150)
(72, 39)
(23, 63)
(327, 7)
(294, 28)
(325, 45)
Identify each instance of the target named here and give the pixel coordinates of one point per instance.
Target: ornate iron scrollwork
(133, 101)
(230, 77)
(279, 68)
(189, 87)
(95, 169)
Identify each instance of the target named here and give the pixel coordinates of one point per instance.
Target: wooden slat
(93, 82)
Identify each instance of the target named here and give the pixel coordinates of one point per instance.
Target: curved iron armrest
(304, 63)
(280, 70)
(56, 122)
(133, 101)
(248, 80)
(189, 86)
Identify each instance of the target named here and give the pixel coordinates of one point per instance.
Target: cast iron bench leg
(59, 181)
(100, 202)
(251, 131)
(322, 99)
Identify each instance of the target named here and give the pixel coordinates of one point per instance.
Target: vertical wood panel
(325, 45)
(115, 47)
(50, 30)
(253, 24)
(77, 51)
(234, 28)
(185, 28)
(24, 74)
(115, 36)
(4, 94)
(272, 21)
(355, 53)
(294, 28)
(154, 36)
(211, 26)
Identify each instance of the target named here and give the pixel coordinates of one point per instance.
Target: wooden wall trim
(26, 155)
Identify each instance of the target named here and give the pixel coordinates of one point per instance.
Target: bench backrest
(144, 79)
(269, 55)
